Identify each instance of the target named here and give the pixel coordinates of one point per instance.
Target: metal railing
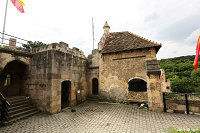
(4, 104)
(4, 40)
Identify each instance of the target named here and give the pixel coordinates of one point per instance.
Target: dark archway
(12, 79)
(95, 86)
(65, 94)
(137, 85)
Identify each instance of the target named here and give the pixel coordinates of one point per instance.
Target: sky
(173, 23)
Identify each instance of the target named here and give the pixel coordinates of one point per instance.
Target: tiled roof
(124, 41)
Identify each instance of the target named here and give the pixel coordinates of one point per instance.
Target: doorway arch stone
(12, 78)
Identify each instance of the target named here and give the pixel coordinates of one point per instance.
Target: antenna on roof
(93, 32)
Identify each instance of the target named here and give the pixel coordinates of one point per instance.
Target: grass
(189, 130)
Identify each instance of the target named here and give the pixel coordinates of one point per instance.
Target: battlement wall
(63, 47)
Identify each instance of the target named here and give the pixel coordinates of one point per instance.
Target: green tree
(195, 76)
(30, 45)
(184, 85)
(181, 73)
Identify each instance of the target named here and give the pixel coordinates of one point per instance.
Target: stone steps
(20, 107)
(24, 116)
(15, 98)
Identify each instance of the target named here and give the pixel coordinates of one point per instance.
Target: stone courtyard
(95, 117)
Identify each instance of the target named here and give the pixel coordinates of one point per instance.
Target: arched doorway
(95, 86)
(137, 90)
(12, 79)
(65, 94)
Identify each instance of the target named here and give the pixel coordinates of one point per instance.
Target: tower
(106, 28)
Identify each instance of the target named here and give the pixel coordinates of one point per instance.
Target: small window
(8, 80)
(167, 87)
(137, 85)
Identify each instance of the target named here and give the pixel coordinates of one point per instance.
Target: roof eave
(156, 47)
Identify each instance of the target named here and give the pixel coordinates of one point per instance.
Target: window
(8, 80)
(137, 85)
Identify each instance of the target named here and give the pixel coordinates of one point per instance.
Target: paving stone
(94, 117)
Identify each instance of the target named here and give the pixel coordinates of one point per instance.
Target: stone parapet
(14, 50)
(93, 59)
(63, 47)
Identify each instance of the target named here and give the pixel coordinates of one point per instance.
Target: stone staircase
(20, 107)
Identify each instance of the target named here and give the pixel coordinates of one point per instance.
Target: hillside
(181, 73)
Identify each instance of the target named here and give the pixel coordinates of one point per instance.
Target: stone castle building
(124, 68)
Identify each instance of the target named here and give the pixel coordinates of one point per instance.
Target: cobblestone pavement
(94, 117)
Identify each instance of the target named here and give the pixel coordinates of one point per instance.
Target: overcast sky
(173, 23)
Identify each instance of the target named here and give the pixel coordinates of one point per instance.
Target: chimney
(106, 28)
(12, 42)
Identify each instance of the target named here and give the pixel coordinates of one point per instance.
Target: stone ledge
(17, 51)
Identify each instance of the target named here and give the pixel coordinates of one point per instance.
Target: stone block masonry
(50, 66)
(115, 74)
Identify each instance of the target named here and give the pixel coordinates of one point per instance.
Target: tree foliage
(30, 45)
(181, 73)
(195, 77)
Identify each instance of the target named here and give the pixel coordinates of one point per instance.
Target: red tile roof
(125, 41)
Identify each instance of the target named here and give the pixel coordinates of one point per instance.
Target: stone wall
(50, 66)
(165, 83)
(137, 96)
(63, 47)
(155, 101)
(39, 82)
(68, 68)
(92, 69)
(176, 103)
(14, 62)
(117, 69)
(7, 55)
